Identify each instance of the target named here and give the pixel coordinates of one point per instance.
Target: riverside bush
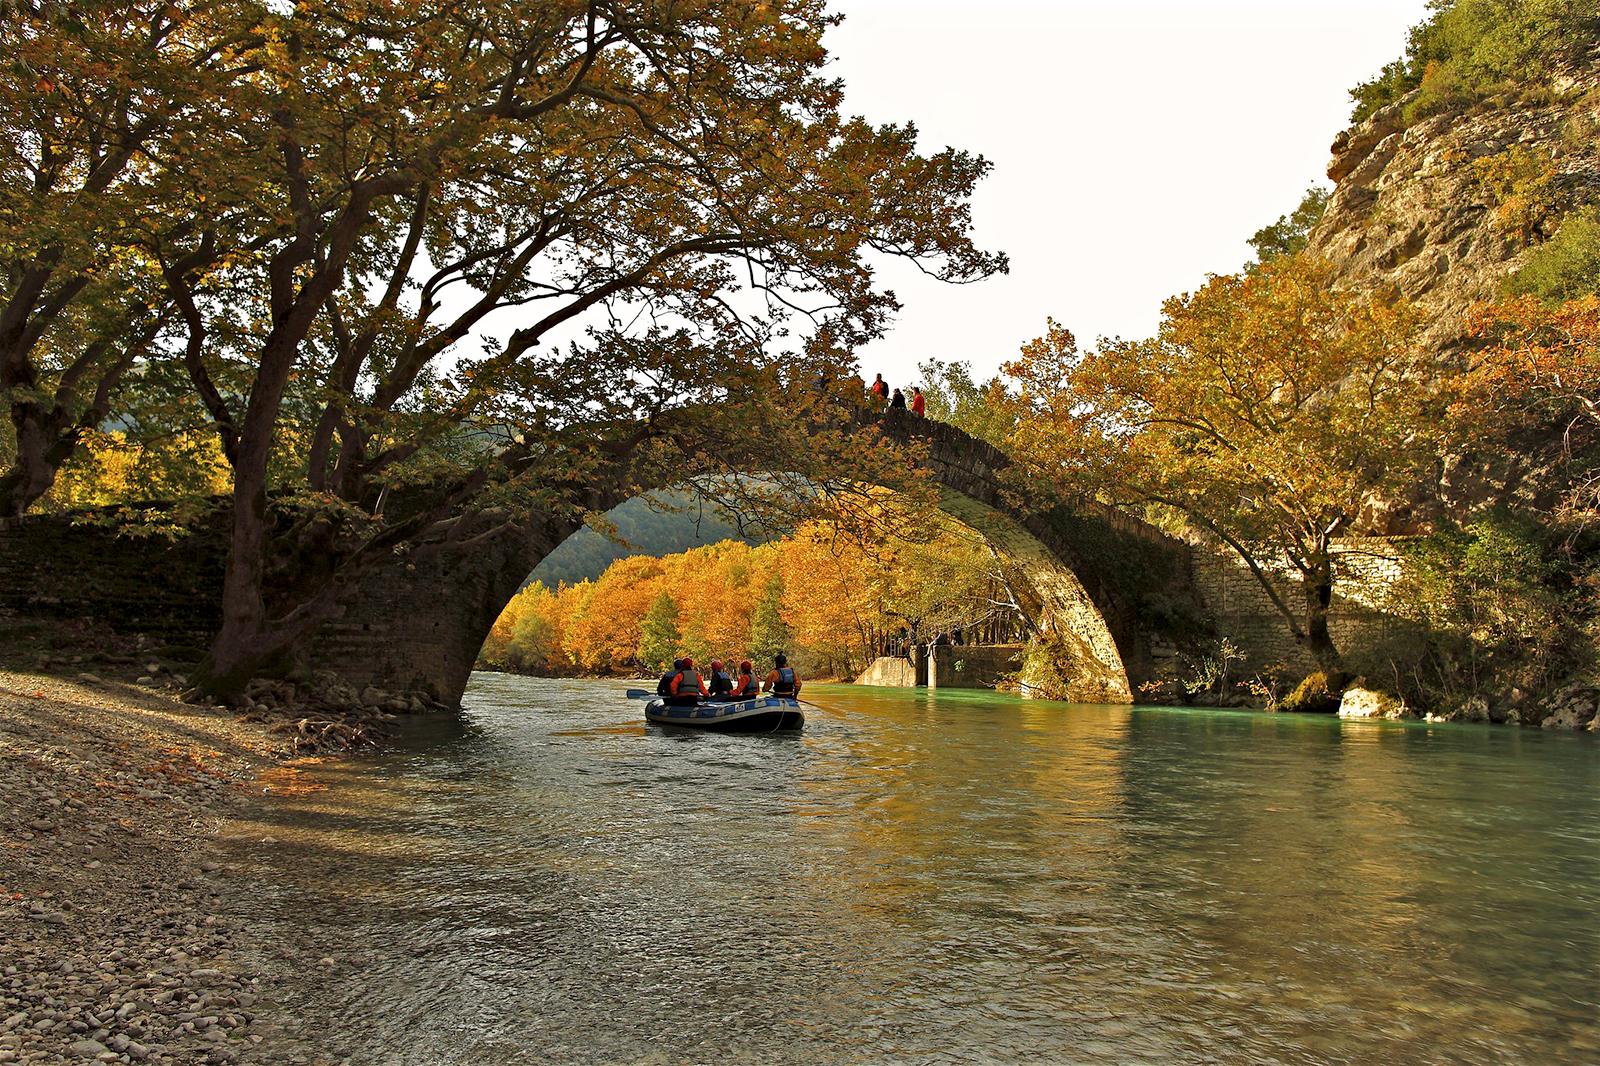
(1503, 606)
(1051, 666)
(1311, 696)
(1519, 182)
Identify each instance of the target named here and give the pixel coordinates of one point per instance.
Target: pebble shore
(115, 944)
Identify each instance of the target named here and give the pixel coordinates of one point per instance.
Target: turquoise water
(950, 878)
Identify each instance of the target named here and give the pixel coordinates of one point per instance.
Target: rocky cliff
(1444, 208)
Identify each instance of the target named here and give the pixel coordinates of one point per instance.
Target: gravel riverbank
(115, 939)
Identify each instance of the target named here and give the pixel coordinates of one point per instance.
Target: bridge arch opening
(1050, 603)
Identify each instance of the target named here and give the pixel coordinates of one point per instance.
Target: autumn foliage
(1539, 374)
(837, 601)
(1543, 362)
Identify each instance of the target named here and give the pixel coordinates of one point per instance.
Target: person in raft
(745, 685)
(687, 686)
(783, 681)
(721, 684)
(664, 686)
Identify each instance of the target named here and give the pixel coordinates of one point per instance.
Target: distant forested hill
(644, 531)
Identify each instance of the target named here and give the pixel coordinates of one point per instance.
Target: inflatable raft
(764, 714)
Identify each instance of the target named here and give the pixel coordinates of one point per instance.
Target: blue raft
(764, 714)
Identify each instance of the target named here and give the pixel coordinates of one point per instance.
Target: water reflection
(949, 878)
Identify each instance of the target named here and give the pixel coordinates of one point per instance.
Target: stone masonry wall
(169, 590)
(972, 666)
(890, 671)
(1365, 573)
(953, 666)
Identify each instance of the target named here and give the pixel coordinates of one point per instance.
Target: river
(935, 878)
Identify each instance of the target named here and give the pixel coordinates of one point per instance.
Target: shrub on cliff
(1288, 235)
(1468, 50)
(1567, 266)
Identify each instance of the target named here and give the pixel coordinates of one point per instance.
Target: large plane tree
(110, 114)
(432, 261)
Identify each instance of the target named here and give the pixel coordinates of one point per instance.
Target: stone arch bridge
(1116, 595)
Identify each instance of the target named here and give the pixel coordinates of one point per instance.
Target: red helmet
(716, 664)
(688, 664)
(744, 667)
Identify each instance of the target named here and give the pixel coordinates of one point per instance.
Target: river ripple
(949, 878)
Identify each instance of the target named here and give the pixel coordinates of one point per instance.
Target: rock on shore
(1572, 707)
(1369, 703)
(113, 947)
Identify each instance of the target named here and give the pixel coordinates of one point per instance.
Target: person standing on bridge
(880, 390)
(899, 401)
(919, 403)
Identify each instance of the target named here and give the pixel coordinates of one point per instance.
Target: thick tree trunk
(45, 441)
(47, 434)
(258, 638)
(243, 645)
(33, 470)
(249, 640)
(240, 653)
(1318, 587)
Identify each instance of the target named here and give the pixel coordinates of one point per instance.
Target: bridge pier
(416, 627)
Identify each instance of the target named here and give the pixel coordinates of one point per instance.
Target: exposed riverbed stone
(116, 941)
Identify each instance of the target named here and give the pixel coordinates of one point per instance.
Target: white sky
(1136, 146)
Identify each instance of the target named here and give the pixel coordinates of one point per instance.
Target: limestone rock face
(1573, 707)
(1410, 211)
